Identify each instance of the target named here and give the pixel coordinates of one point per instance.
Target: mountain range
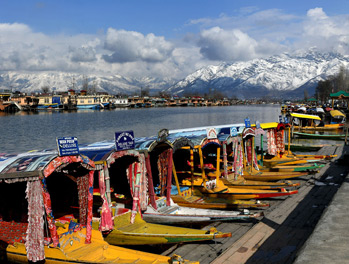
(280, 76)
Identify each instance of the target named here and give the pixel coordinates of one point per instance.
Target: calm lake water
(24, 131)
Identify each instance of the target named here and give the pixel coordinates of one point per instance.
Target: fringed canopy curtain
(165, 173)
(34, 243)
(238, 164)
(106, 223)
(276, 140)
(136, 174)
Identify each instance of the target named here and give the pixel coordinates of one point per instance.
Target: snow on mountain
(273, 76)
(61, 81)
(277, 76)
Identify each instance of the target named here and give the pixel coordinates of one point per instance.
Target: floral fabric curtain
(35, 232)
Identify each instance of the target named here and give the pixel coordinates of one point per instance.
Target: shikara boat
(308, 147)
(202, 201)
(319, 136)
(306, 122)
(211, 183)
(123, 177)
(175, 214)
(46, 186)
(312, 167)
(143, 233)
(166, 211)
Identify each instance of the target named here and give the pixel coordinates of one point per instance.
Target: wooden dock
(286, 226)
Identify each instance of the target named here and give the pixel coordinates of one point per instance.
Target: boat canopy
(267, 125)
(336, 114)
(314, 117)
(36, 165)
(179, 142)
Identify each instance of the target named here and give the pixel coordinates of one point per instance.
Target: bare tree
(85, 83)
(45, 89)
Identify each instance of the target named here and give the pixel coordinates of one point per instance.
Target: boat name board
(67, 146)
(211, 133)
(124, 140)
(247, 122)
(234, 131)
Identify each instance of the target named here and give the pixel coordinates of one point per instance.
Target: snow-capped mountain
(61, 81)
(277, 76)
(283, 76)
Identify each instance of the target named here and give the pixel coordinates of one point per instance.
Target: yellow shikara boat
(45, 185)
(142, 233)
(306, 122)
(240, 182)
(73, 249)
(127, 226)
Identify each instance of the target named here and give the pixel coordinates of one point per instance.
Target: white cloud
(226, 45)
(130, 46)
(324, 32)
(250, 34)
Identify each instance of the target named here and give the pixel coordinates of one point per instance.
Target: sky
(162, 38)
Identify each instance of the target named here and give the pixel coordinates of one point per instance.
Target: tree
(45, 89)
(323, 90)
(85, 83)
(144, 92)
(306, 95)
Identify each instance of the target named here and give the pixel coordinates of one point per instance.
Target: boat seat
(168, 210)
(11, 232)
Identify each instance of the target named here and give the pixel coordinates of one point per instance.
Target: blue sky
(164, 38)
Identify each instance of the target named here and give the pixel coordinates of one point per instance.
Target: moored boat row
(116, 193)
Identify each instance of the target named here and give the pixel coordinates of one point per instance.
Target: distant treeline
(336, 83)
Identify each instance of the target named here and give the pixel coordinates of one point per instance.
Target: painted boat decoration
(49, 184)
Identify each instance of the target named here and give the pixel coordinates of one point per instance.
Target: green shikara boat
(319, 136)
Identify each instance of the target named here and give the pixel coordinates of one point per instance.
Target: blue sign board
(68, 146)
(247, 122)
(286, 120)
(124, 140)
(233, 131)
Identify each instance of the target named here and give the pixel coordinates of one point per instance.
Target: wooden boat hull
(143, 233)
(299, 168)
(259, 184)
(205, 202)
(276, 161)
(243, 194)
(274, 177)
(187, 215)
(74, 250)
(326, 127)
(232, 195)
(319, 136)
